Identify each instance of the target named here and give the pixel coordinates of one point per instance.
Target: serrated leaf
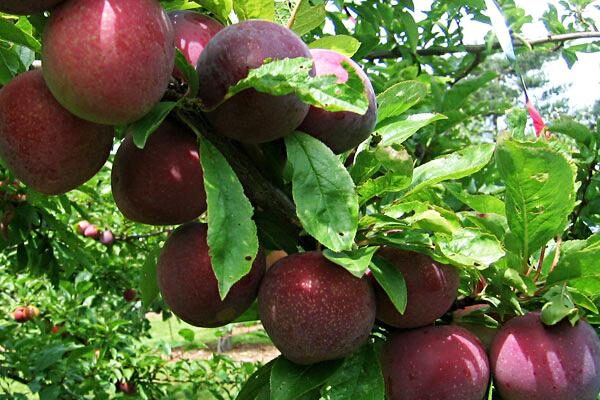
(254, 9)
(343, 44)
(398, 99)
(397, 132)
(144, 127)
(232, 238)
(323, 191)
(354, 261)
(222, 8)
(290, 381)
(307, 17)
(569, 127)
(456, 165)
(287, 76)
(359, 377)
(391, 280)
(559, 305)
(12, 33)
(535, 210)
(470, 247)
(148, 283)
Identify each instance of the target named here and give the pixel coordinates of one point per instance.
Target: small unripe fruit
(107, 238)
(81, 226)
(127, 388)
(20, 315)
(55, 329)
(130, 295)
(91, 231)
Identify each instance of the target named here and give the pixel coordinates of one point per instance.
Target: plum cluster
(108, 63)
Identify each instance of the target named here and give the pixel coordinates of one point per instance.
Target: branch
(481, 48)
(261, 191)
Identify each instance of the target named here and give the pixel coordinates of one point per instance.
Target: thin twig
(481, 48)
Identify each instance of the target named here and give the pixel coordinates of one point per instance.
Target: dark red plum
(192, 32)
(189, 286)
(314, 310)
(435, 363)
(249, 116)
(532, 361)
(108, 61)
(342, 130)
(26, 7)
(161, 184)
(431, 289)
(44, 145)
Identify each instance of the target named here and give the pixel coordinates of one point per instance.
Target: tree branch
(481, 48)
(261, 191)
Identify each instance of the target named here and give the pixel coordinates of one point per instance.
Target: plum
(189, 285)
(91, 231)
(314, 310)
(81, 225)
(106, 237)
(161, 184)
(249, 116)
(342, 130)
(532, 361)
(108, 61)
(192, 32)
(26, 7)
(434, 363)
(44, 145)
(130, 295)
(431, 289)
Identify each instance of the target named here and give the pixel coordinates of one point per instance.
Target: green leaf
(456, 97)
(282, 77)
(359, 377)
(12, 33)
(470, 247)
(365, 165)
(579, 267)
(10, 65)
(232, 239)
(482, 203)
(456, 165)
(410, 28)
(392, 281)
(143, 128)
(343, 44)
(355, 261)
(559, 306)
(569, 127)
(400, 169)
(221, 8)
(189, 73)
(148, 281)
(290, 381)
(307, 17)
(257, 381)
(323, 191)
(397, 132)
(398, 99)
(535, 209)
(254, 9)
(519, 281)
(187, 334)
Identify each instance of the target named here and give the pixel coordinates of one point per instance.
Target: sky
(583, 78)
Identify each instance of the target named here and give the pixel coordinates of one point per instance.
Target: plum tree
(314, 310)
(26, 7)
(435, 362)
(192, 32)
(537, 362)
(161, 184)
(44, 145)
(249, 116)
(119, 66)
(431, 289)
(189, 285)
(342, 130)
